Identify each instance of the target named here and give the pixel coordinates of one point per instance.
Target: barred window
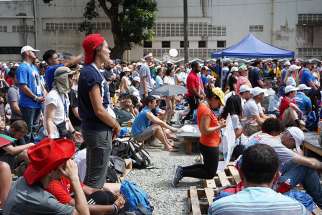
(202, 53)
(309, 19)
(309, 52)
(3, 28)
(74, 26)
(23, 28)
(256, 28)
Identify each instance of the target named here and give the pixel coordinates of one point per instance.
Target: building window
(23, 28)
(309, 19)
(147, 44)
(221, 43)
(256, 28)
(309, 52)
(182, 44)
(74, 26)
(10, 50)
(3, 28)
(166, 44)
(202, 44)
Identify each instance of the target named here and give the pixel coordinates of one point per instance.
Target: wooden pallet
(199, 200)
(229, 177)
(128, 168)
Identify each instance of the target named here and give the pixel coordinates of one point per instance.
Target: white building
(213, 25)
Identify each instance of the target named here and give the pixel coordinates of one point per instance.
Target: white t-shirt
(250, 110)
(169, 80)
(54, 98)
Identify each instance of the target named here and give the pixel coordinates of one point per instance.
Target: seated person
(108, 203)
(125, 112)
(294, 167)
(49, 159)
(259, 170)
(245, 93)
(147, 125)
(12, 150)
(289, 111)
(253, 112)
(302, 100)
(5, 182)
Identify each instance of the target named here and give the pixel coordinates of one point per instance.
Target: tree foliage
(132, 21)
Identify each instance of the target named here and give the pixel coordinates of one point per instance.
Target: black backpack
(140, 157)
(120, 149)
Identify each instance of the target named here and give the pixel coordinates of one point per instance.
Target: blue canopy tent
(251, 47)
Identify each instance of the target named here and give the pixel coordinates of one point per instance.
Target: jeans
(193, 105)
(308, 177)
(30, 116)
(208, 169)
(98, 151)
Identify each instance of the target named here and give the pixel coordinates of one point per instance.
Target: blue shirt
(303, 102)
(158, 81)
(88, 78)
(49, 75)
(141, 122)
(257, 200)
(204, 80)
(306, 77)
(28, 74)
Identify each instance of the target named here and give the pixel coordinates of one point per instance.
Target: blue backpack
(136, 199)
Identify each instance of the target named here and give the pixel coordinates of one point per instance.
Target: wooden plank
(313, 148)
(223, 179)
(234, 172)
(210, 195)
(195, 206)
(317, 211)
(211, 183)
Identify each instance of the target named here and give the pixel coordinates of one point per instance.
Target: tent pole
(221, 74)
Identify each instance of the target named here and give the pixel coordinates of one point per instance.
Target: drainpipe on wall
(35, 23)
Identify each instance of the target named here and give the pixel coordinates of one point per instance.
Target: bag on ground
(136, 199)
(140, 157)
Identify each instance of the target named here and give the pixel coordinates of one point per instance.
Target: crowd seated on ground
(83, 102)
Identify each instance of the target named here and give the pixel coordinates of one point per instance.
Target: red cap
(90, 43)
(47, 156)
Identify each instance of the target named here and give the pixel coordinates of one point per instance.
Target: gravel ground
(157, 181)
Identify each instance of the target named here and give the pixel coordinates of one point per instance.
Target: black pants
(208, 169)
(193, 105)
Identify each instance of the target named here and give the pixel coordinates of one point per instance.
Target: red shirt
(193, 82)
(285, 103)
(61, 189)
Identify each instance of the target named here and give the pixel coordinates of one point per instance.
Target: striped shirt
(257, 200)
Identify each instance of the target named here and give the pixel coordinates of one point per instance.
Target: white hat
(126, 69)
(245, 88)
(28, 48)
(257, 91)
(303, 87)
(136, 78)
(294, 68)
(236, 63)
(298, 136)
(157, 97)
(287, 63)
(290, 88)
(234, 69)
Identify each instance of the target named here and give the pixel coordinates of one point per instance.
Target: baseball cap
(290, 88)
(303, 87)
(136, 78)
(63, 70)
(245, 88)
(28, 48)
(219, 93)
(287, 63)
(294, 68)
(257, 91)
(242, 67)
(297, 135)
(234, 69)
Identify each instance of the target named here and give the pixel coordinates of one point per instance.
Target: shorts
(145, 135)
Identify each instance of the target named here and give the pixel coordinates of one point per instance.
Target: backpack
(120, 149)
(140, 157)
(136, 199)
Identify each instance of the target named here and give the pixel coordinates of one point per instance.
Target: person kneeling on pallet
(259, 170)
(147, 125)
(209, 127)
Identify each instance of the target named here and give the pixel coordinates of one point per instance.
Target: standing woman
(170, 100)
(98, 125)
(125, 81)
(210, 139)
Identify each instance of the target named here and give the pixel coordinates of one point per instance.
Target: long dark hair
(233, 106)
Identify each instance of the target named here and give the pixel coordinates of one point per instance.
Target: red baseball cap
(46, 156)
(90, 43)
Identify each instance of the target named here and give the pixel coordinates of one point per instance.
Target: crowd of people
(54, 106)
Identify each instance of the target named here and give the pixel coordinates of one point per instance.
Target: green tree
(132, 21)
